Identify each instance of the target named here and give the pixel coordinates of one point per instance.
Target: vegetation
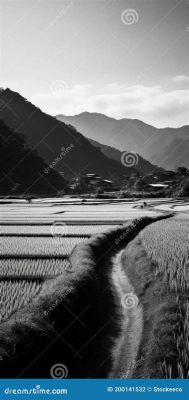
(15, 295)
(155, 263)
(167, 245)
(22, 170)
(38, 246)
(49, 329)
(75, 316)
(40, 230)
(35, 267)
(181, 189)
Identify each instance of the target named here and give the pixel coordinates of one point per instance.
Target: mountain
(159, 146)
(145, 167)
(22, 170)
(175, 154)
(60, 145)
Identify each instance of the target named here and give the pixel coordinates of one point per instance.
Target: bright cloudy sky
(86, 55)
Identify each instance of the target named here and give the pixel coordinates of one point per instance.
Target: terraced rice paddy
(15, 295)
(103, 213)
(36, 241)
(43, 246)
(35, 245)
(35, 267)
(167, 244)
(41, 230)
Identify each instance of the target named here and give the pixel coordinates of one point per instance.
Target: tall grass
(167, 244)
(156, 269)
(74, 319)
(35, 267)
(38, 246)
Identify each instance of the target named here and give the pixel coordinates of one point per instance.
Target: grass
(74, 319)
(15, 295)
(38, 246)
(155, 264)
(36, 230)
(34, 267)
(168, 246)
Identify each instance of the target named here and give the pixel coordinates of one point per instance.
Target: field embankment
(156, 264)
(75, 319)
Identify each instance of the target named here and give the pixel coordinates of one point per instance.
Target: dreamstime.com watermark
(35, 390)
(59, 371)
(59, 229)
(129, 300)
(58, 87)
(125, 233)
(64, 152)
(132, 368)
(129, 159)
(58, 301)
(129, 16)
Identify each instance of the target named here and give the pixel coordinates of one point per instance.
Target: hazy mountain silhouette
(22, 170)
(48, 135)
(159, 146)
(175, 154)
(142, 165)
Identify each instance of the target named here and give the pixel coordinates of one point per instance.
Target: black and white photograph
(94, 190)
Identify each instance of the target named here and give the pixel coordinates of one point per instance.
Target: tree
(139, 184)
(185, 191)
(182, 171)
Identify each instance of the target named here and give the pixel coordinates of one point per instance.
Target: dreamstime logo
(133, 367)
(129, 159)
(58, 87)
(126, 232)
(59, 229)
(59, 371)
(64, 152)
(129, 300)
(129, 17)
(57, 302)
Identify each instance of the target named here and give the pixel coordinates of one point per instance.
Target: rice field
(35, 267)
(35, 245)
(46, 230)
(15, 295)
(44, 246)
(167, 244)
(32, 251)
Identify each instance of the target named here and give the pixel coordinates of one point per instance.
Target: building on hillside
(92, 182)
(154, 187)
(169, 183)
(105, 184)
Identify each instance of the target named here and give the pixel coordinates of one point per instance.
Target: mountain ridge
(134, 135)
(22, 170)
(48, 135)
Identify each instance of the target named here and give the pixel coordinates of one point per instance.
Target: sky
(126, 59)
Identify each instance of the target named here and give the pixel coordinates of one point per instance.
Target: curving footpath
(131, 322)
(88, 319)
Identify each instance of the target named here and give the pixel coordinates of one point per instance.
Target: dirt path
(131, 322)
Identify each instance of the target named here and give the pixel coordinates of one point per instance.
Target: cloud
(181, 78)
(153, 104)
